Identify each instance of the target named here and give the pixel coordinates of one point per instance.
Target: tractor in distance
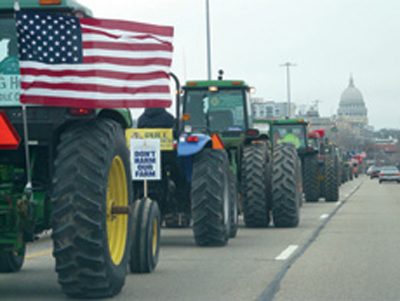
(319, 162)
(81, 185)
(321, 166)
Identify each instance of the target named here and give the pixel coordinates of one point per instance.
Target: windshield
(220, 111)
(314, 143)
(294, 134)
(9, 67)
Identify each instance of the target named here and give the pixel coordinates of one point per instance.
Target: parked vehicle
(389, 174)
(373, 171)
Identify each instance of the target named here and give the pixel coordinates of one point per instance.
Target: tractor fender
(186, 149)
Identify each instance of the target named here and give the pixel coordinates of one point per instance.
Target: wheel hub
(117, 224)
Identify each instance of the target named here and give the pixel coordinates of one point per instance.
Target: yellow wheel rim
(154, 241)
(117, 224)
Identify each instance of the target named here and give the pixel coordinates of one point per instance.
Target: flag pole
(28, 187)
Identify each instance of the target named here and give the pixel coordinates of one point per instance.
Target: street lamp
(208, 39)
(288, 65)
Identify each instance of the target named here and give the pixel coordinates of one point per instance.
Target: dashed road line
(324, 216)
(270, 291)
(287, 252)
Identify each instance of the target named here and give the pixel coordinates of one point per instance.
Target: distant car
(373, 171)
(389, 174)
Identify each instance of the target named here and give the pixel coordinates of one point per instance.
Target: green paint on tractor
(26, 211)
(36, 4)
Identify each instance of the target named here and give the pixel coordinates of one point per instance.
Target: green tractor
(319, 161)
(329, 170)
(81, 184)
(222, 108)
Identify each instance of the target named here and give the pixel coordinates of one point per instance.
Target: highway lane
(356, 257)
(240, 271)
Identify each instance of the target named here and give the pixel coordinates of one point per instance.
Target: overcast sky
(327, 39)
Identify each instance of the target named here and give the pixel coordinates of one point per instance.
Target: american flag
(93, 63)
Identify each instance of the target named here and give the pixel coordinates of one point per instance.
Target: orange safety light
(216, 142)
(186, 117)
(49, 2)
(191, 84)
(9, 138)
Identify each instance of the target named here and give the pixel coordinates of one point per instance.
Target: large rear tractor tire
(12, 261)
(210, 198)
(91, 237)
(286, 191)
(310, 178)
(331, 180)
(255, 185)
(146, 242)
(233, 201)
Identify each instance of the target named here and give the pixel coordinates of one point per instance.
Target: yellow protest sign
(165, 136)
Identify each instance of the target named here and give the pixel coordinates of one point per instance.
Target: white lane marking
(340, 202)
(287, 252)
(324, 216)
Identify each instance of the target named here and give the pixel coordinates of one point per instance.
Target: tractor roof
(193, 84)
(46, 4)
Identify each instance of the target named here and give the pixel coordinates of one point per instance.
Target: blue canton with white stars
(49, 38)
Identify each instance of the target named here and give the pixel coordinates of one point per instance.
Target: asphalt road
(357, 256)
(250, 267)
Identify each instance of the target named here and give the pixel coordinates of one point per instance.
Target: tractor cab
(315, 139)
(217, 106)
(292, 131)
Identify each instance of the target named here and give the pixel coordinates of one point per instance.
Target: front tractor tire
(286, 186)
(310, 177)
(331, 180)
(210, 198)
(146, 230)
(91, 240)
(255, 185)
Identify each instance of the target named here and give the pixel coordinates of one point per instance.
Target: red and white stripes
(125, 64)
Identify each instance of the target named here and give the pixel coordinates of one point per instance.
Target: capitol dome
(352, 102)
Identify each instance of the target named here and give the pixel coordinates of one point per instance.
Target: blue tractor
(197, 186)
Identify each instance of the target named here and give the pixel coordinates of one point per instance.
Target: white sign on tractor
(146, 159)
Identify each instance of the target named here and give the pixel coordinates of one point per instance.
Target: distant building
(352, 107)
(387, 145)
(269, 109)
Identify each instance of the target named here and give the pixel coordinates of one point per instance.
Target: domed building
(352, 107)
